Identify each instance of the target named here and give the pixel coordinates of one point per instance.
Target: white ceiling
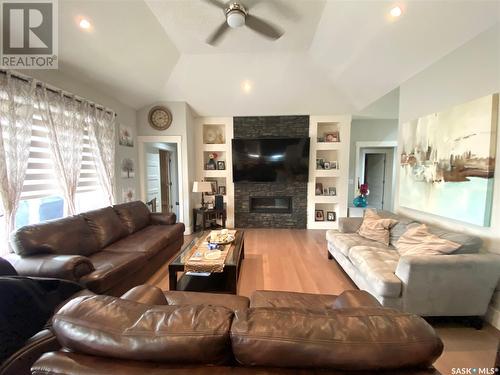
(335, 56)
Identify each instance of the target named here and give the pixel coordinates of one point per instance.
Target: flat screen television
(271, 160)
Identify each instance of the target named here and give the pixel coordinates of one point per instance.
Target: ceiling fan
(237, 16)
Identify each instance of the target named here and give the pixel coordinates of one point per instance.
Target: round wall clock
(160, 118)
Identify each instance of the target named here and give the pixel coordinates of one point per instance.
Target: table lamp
(202, 187)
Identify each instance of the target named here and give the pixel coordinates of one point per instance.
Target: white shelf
(216, 173)
(333, 199)
(329, 146)
(214, 147)
(327, 173)
(338, 178)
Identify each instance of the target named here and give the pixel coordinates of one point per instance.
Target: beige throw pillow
(376, 228)
(418, 241)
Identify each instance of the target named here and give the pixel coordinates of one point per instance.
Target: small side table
(208, 217)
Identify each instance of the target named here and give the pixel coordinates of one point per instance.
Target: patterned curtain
(101, 127)
(63, 118)
(17, 101)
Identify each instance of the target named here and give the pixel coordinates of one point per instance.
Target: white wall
(125, 115)
(182, 125)
(469, 72)
(368, 130)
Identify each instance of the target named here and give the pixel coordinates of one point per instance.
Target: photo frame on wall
(319, 215)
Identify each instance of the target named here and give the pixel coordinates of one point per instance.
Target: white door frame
(381, 144)
(177, 139)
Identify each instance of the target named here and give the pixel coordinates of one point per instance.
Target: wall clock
(160, 118)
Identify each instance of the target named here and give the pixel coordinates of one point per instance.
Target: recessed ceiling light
(246, 86)
(396, 11)
(84, 24)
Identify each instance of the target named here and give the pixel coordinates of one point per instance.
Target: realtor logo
(29, 34)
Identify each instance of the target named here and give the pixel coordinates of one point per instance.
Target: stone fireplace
(270, 205)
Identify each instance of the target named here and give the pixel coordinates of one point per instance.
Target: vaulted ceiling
(335, 56)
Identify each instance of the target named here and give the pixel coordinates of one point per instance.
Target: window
(41, 198)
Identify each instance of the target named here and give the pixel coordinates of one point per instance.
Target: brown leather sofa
(155, 332)
(108, 251)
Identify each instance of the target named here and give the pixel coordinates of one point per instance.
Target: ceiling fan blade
(263, 27)
(217, 34)
(219, 4)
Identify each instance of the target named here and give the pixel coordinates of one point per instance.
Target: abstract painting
(448, 162)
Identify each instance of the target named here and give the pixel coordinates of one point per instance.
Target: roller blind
(40, 178)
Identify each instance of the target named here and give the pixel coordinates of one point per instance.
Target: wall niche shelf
(321, 128)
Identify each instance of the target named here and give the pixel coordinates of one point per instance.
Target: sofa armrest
(355, 299)
(67, 267)
(159, 218)
(349, 224)
(7, 269)
(460, 284)
(147, 294)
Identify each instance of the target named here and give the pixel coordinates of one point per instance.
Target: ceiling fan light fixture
(235, 18)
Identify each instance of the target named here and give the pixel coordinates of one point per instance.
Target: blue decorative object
(360, 201)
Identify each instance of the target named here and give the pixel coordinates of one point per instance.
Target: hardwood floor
(296, 260)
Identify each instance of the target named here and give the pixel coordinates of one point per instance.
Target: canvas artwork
(125, 137)
(127, 168)
(448, 162)
(128, 195)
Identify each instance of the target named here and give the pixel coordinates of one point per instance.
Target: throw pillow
(376, 228)
(418, 241)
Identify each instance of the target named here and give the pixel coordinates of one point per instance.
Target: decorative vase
(360, 201)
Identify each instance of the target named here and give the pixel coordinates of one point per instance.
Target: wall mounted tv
(271, 160)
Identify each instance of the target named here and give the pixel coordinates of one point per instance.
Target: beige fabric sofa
(459, 284)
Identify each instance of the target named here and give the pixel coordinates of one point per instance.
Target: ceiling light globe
(396, 11)
(235, 19)
(84, 24)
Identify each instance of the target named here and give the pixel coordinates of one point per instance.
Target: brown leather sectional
(155, 332)
(108, 251)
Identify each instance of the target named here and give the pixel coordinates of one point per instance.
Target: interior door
(375, 177)
(165, 181)
(153, 177)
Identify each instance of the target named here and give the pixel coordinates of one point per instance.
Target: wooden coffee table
(217, 282)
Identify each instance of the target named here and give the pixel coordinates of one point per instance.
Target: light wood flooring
(296, 260)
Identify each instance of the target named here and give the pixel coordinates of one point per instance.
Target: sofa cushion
(378, 267)
(106, 225)
(68, 236)
(134, 215)
(398, 229)
(111, 268)
(345, 241)
(367, 339)
(149, 240)
(313, 302)
(228, 301)
(418, 241)
(469, 244)
(111, 327)
(375, 227)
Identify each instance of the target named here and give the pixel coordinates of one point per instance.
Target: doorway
(161, 180)
(375, 165)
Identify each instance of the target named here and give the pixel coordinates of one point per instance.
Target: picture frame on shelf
(333, 136)
(222, 190)
(319, 215)
(325, 191)
(326, 165)
(331, 216)
(319, 163)
(332, 191)
(318, 188)
(221, 165)
(334, 164)
(213, 182)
